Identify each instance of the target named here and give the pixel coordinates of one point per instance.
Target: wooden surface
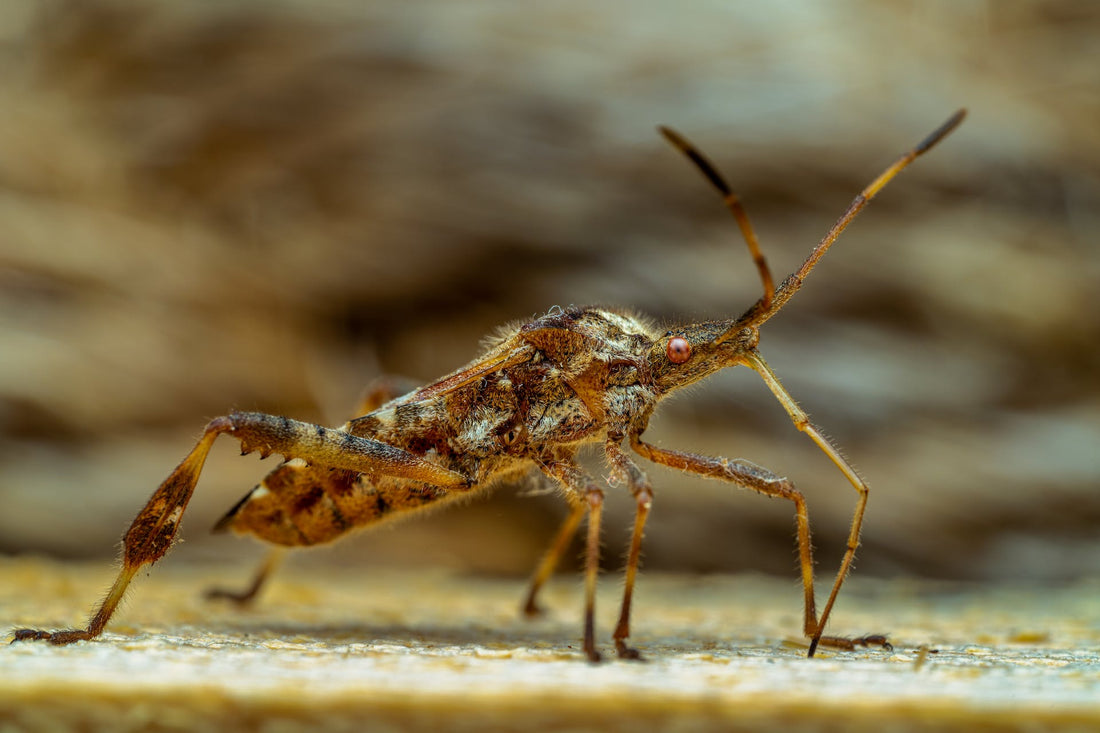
(420, 650)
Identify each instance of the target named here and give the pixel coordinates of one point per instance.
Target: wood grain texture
(342, 650)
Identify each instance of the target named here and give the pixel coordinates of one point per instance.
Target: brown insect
(539, 392)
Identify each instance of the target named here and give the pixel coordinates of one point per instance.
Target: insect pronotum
(537, 394)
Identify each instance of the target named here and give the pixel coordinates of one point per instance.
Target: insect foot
(536, 394)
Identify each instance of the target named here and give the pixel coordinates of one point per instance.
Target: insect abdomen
(298, 504)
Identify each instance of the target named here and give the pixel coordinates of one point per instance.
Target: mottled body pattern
(539, 392)
(548, 399)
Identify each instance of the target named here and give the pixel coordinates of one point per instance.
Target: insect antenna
(733, 203)
(766, 307)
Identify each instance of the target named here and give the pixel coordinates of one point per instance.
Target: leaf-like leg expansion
(149, 537)
(582, 486)
(643, 498)
(549, 561)
(749, 476)
(802, 422)
(246, 596)
(152, 531)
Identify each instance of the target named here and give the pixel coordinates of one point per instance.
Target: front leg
(750, 476)
(152, 531)
(802, 421)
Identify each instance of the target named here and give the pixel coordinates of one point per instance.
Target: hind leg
(379, 392)
(549, 562)
(153, 530)
(246, 596)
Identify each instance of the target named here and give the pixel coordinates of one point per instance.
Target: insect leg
(749, 476)
(584, 487)
(380, 391)
(591, 571)
(152, 531)
(246, 596)
(802, 422)
(643, 497)
(549, 561)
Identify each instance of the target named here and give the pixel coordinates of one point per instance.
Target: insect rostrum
(540, 392)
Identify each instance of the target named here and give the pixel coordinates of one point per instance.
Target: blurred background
(264, 205)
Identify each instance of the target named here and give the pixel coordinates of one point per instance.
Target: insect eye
(679, 350)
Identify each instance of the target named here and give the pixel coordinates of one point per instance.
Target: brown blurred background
(261, 205)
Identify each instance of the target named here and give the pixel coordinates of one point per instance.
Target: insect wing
(508, 354)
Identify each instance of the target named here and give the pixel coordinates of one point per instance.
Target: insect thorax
(583, 373)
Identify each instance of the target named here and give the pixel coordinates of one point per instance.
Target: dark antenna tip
(941, 132)
(729, 198)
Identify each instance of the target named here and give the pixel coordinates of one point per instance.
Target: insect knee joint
(594, 497)
(784, 485)
(222, 424)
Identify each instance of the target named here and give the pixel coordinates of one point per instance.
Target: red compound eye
(679, 350)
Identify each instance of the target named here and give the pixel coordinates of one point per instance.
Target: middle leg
(590, 497)
(638, 482)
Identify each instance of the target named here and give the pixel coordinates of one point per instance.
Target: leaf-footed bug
(539, 392)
